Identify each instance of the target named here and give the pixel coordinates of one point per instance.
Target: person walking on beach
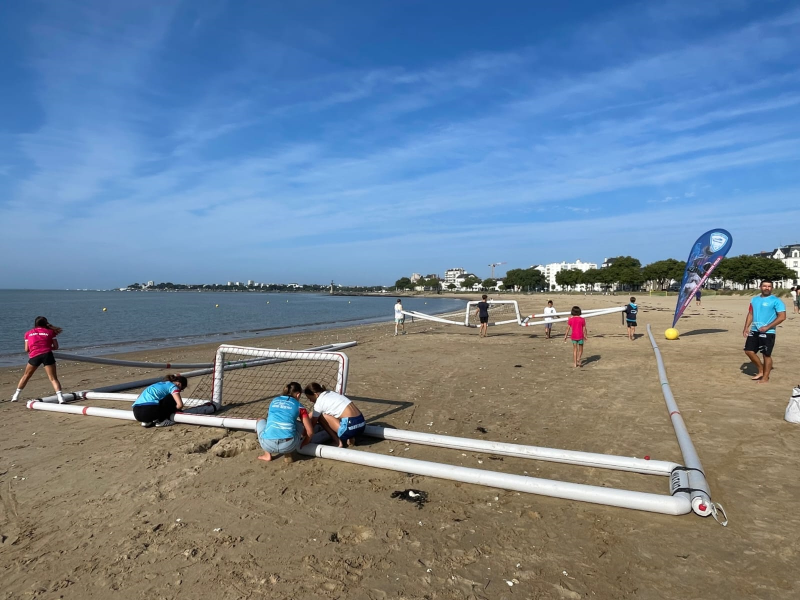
(399, 317)
(158, 402)
(697, 295)
(287, 426)
(482, 312)
(629, 318)
(764, 314)
(337, 414)
(576, 326)
(39, 344)
(795, 304)
(548, 321)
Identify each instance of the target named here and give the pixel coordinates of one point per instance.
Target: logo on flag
(718, 240)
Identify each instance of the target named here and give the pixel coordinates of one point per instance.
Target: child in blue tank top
(287, 426)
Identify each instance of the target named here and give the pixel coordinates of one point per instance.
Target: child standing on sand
(39, 344)
(629, 318)
(548, 325)
(576, 326)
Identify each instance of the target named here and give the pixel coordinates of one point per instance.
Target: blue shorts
(283, 446)
(350, 427)
(577, 342)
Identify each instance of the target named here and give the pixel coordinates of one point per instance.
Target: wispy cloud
(269, 148)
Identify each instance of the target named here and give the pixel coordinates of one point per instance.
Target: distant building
(451, 276)
(230, 284)
(476, 287)
(151, 284)
(790, 256)
(250, 282)
(607, 262)
(551, 270)
(415, 277)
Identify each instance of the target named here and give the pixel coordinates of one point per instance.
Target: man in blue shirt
(765, 313)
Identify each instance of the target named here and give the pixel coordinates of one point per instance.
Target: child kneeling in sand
(337, 414)
(287, 426)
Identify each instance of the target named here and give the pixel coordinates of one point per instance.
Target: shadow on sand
(703, 332)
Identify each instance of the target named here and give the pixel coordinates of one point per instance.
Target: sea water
(145, 320)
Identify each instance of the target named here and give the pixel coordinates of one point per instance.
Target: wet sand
(96, 507)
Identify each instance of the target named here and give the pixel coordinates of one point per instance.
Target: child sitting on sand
(287, 426)
(576, 325)
(337, 414)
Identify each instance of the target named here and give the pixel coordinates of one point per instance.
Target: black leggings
(147, 413)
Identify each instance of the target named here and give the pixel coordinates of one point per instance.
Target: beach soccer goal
(245, 380)
(501, 312)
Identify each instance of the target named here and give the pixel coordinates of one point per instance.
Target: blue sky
(206, 141)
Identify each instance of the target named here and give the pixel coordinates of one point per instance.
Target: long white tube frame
(700, 492)
(572, 457)
(597, 312)
(676, 504)
(586, 315)
(205, 371)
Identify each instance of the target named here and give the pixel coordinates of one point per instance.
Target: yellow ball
(216, 306)
(104, 309)
(671, 334)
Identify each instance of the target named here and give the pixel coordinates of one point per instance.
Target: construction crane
(497, 264)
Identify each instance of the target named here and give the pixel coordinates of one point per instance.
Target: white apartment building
(415, 277)
(452, 275)
(552, 269)
(790, 256)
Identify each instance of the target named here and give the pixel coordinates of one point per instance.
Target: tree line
(627, 272)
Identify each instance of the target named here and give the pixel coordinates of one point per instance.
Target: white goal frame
(267, 356)
(472, 304)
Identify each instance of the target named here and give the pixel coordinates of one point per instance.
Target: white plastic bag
(793, 410)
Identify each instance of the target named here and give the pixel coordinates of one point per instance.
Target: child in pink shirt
(39, 344)
(576, 329)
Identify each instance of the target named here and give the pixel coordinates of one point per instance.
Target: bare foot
(341, 445)
(289, 458)
(763, 381)
(757, 377)
(351, 442)
(266, 456)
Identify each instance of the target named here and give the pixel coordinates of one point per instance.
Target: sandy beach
(100, 508)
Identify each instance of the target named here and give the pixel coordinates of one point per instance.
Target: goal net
(501, 312)
(245, 380)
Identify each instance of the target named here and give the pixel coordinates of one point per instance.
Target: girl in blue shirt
(287, 426)
(158, 402)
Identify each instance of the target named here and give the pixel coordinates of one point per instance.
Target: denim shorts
(350, 427)
(283, 446)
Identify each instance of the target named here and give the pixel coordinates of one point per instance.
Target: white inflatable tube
(190, 402)
(425, 317)
(585, 315)
(572, 457)
(670, 505)
(151, 365)
(115, 413)
(233, 365)
(676, 504)
(129, 363)
(700, 493)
